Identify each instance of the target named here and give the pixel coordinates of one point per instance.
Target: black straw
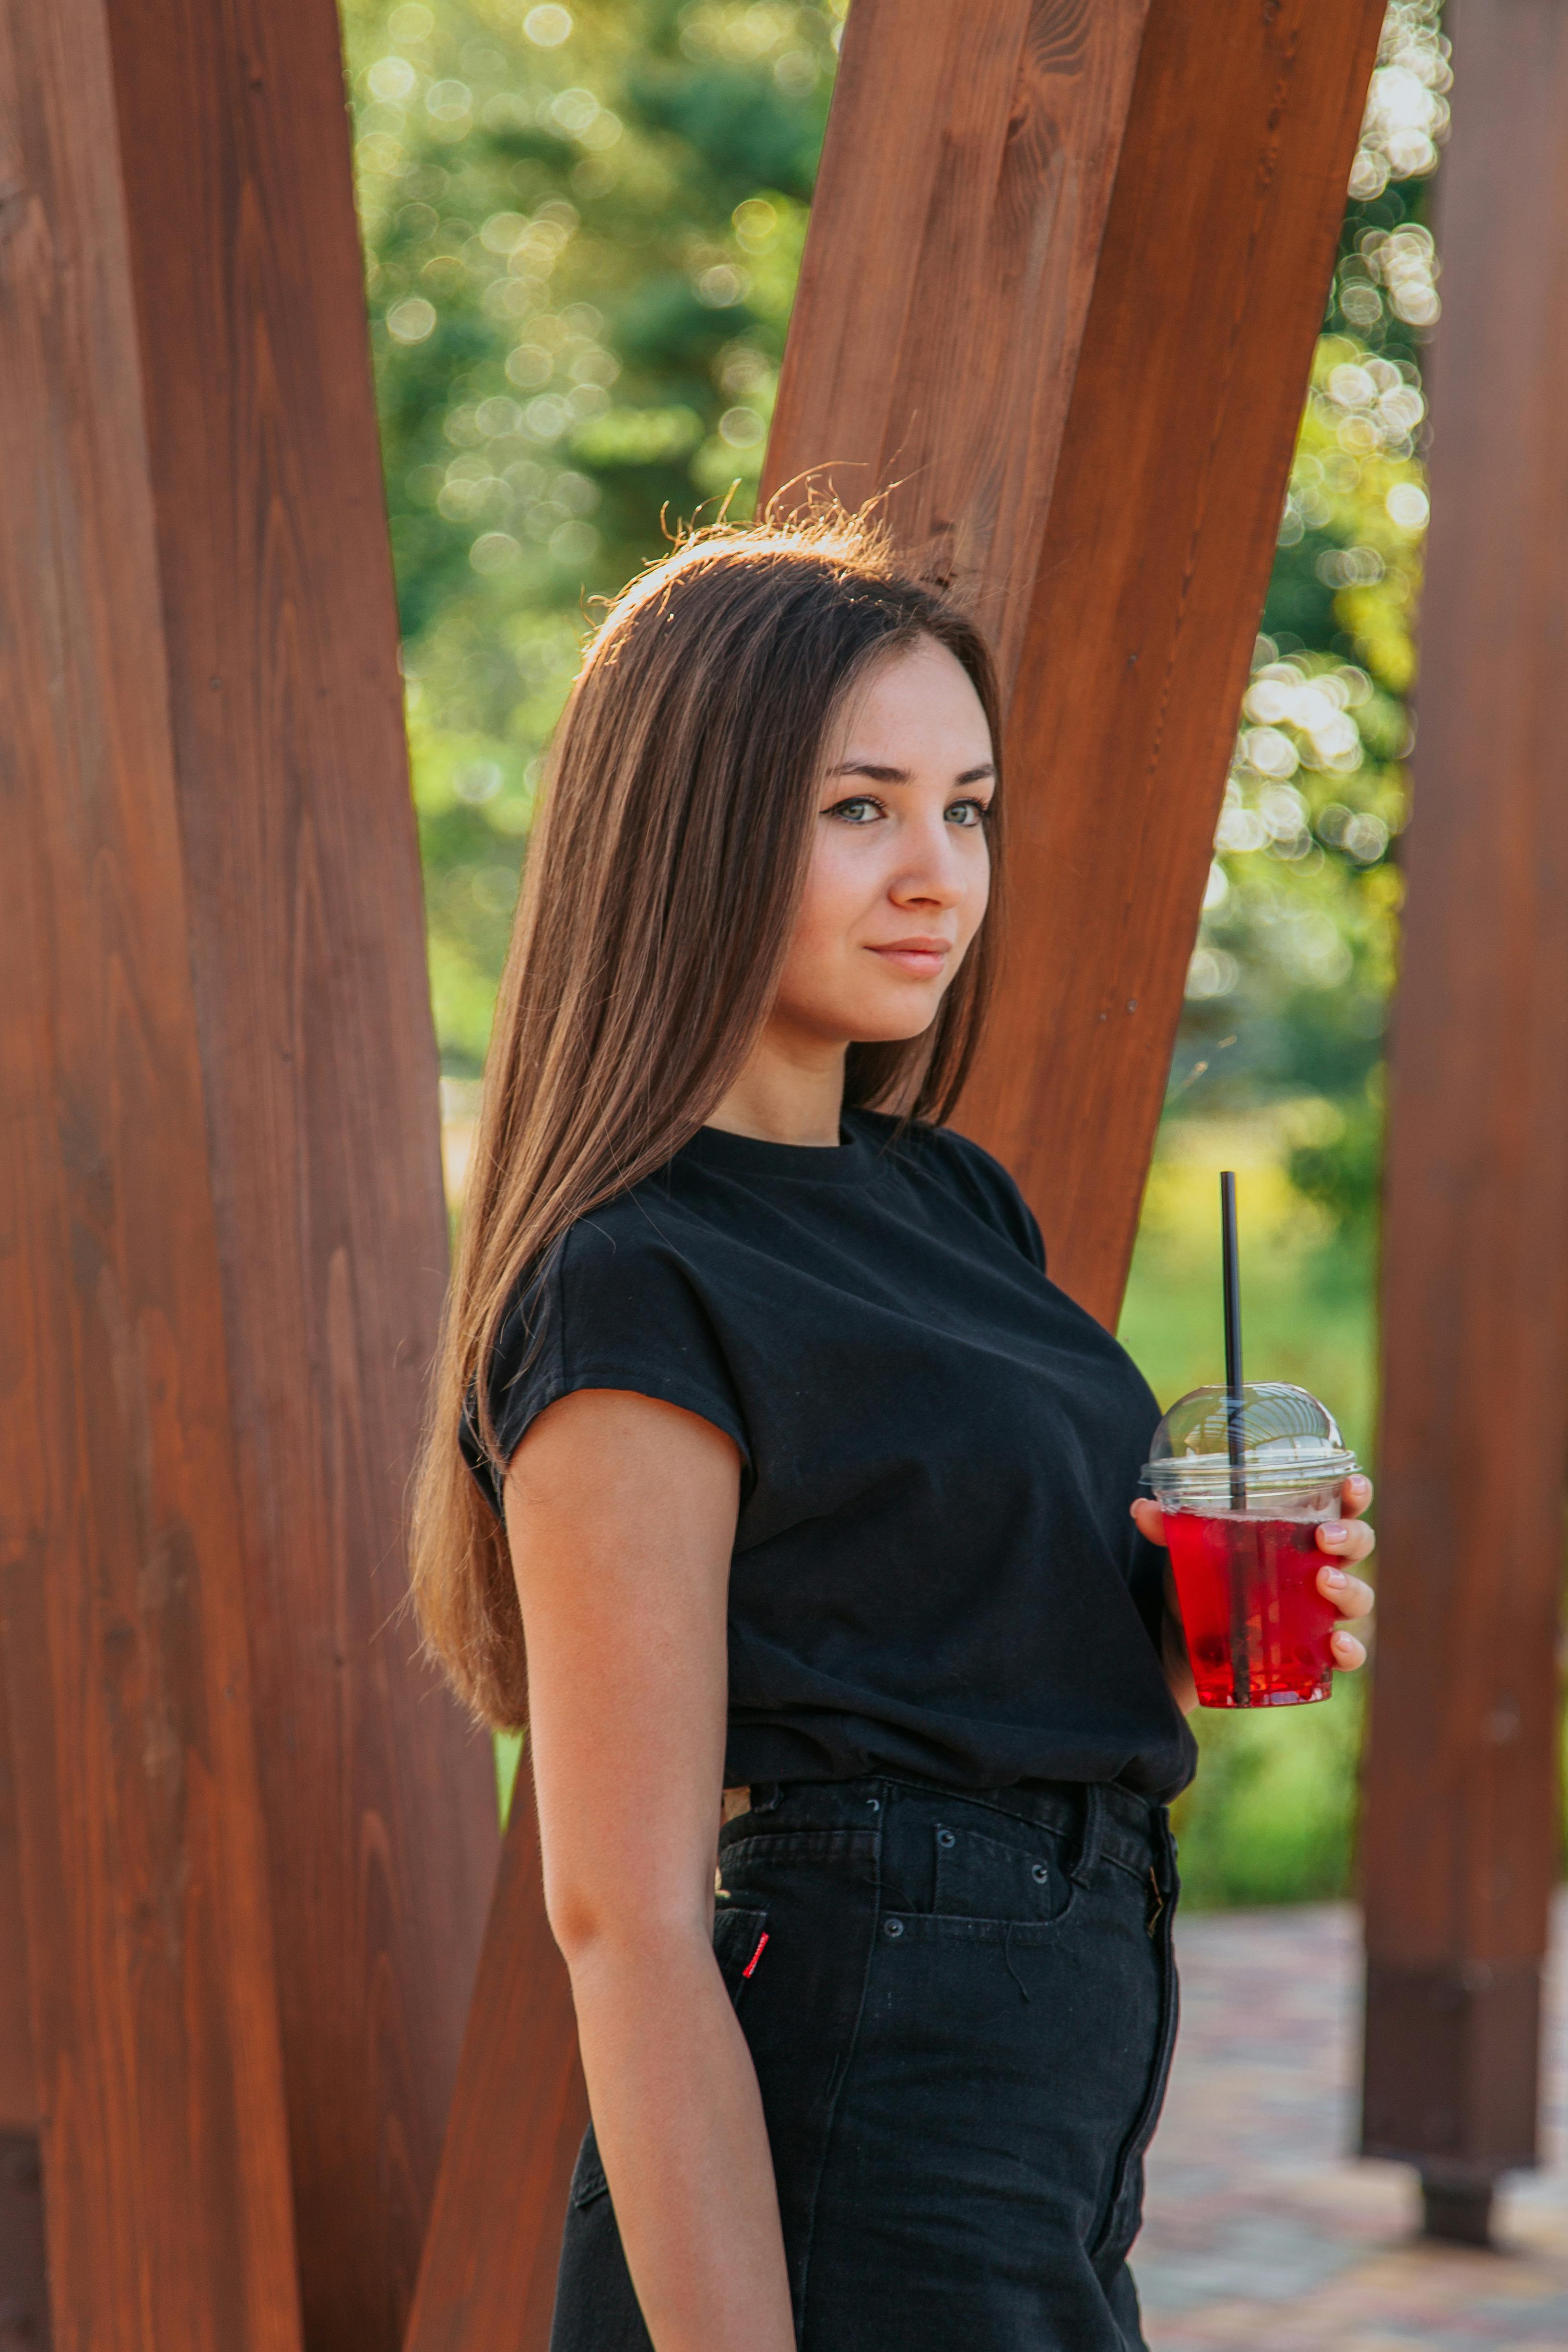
(1233, 1375)
(1240, 1668)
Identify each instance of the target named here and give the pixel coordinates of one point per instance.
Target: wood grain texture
(521, 2107)
(308, 945)
(1139, 448)
(23, 2296)
(1094, 452)
(24, 2283)
(1459, 1849)
(955, 226)
(18, 2085)
(143, 1861)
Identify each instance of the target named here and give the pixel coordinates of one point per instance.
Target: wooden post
(154, 1992)
(292, 1193)
(489, 2280)
(308, 946)
(24, 2293)
(1064, 274)
(1460, 1849)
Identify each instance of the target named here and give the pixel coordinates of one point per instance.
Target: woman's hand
(1341, 1542)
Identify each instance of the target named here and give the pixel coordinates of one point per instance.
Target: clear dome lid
(1267, 1434)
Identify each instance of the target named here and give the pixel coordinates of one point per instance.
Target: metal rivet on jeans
(1040, 1873)
(945, 1837)
(875, 1803)
(892, 1927)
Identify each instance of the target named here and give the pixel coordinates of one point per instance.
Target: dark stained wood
(24, 2283)
(1124, 581)
(143, 1862)
(1096, 453)
(1460, 1848)
(307, 943)
(18, 2087)
(24, 2298)
(520, 2109)
(24, 2301)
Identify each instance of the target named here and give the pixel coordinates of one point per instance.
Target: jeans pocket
(978, 1876)
(738, 1940)
(739, 1937)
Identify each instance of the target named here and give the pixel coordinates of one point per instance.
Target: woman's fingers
(1356, 1495)
(1350, 1596)
(1346, 1538)
(1348, 1652)
(1151, 1520)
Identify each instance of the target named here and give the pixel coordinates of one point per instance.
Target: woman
(757, 1415)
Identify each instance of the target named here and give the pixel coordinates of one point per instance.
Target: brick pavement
(1260, 2232)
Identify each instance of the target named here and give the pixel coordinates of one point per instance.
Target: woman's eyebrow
(901, 775)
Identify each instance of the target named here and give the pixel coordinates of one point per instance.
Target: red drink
(1258, 1628)
(1245, 1476)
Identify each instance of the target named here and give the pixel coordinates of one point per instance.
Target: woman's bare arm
(621, 1519)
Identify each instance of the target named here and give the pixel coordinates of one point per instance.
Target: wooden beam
(24, 2283)
(956, 230)
(1059, 300)
(1068, 331)
(307, 940)
(1460, 1848)
(143, 1862)
(267, 619)
(18, 2084)
(24, 2294)
(489, 2278)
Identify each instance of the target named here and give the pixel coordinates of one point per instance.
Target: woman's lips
(921, 958)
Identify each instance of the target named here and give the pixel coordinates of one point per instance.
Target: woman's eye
(969, 813)
(861, 810)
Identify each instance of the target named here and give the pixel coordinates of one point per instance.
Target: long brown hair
(663, 877)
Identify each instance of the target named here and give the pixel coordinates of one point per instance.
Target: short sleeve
(613, 1309)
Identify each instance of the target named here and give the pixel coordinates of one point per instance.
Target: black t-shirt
(935, 1569)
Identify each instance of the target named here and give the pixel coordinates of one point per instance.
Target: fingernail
(1334, 1576)
(1360, 1485)
(1334, 1535)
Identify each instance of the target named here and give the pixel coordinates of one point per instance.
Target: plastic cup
(1244, 1479)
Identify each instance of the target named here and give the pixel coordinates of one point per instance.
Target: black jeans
(962, 2020)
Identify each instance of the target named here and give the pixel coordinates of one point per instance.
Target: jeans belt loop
(1087, 1860)
(760, 1797)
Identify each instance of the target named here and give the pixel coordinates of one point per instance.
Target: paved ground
(1260, 2233)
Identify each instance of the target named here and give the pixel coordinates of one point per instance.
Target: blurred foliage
(1290, 978)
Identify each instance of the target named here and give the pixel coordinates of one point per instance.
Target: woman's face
(900, 870)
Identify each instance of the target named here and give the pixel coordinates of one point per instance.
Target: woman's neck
(787, 1093)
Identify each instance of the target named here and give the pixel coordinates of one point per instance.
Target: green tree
(1289, 984)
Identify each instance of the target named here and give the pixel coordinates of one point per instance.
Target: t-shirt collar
(851, 1160)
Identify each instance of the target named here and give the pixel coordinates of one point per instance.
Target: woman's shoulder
(613, 1303)
(963, 1167)
(638, 1239)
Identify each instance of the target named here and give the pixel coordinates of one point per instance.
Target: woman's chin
(897, 1029)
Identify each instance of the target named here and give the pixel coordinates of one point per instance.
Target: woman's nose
(932, 871)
